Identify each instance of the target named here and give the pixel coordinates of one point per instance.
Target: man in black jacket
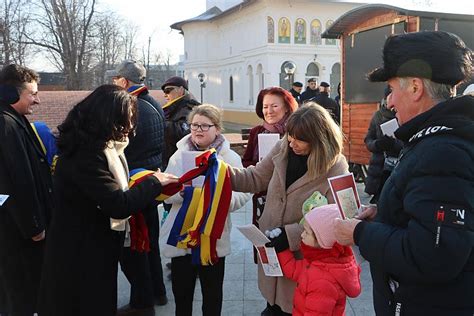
(25, 177)
(420, 245)
(326, 102)
(295, 91)
(145, 150)
(179, 105)
(312, 90)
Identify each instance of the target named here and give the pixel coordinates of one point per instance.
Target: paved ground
(241, 294)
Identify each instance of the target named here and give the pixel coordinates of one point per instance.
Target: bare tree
(13, 23)
(109, 44)
(129, 40)
(64, 30)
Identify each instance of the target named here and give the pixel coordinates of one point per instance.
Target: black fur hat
(439, 56)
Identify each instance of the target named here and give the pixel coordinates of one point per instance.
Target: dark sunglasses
(168, 90)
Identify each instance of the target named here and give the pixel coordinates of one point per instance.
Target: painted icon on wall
(284, 30)
(330, 41)
(300, 31)
(270, 30)
(316, 31)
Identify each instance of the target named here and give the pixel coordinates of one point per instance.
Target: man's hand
(344, 230)
(40, 236)
(368, 212)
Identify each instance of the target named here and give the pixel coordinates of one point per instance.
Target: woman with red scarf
(274, 106)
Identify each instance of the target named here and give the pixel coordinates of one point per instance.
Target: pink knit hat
(321, 220)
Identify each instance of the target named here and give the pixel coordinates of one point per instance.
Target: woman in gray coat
(298, 165)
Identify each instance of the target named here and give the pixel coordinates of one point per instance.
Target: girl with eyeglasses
(205, 122)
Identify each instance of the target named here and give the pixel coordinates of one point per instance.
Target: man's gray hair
(436, 91)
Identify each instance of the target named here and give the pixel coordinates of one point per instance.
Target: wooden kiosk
(362, 32)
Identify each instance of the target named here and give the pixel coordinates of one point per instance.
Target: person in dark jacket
(420, 245)
(25, 177)
(179, 105)
(295, 91)
(85, 238)
(311, 91)
(384, 149)
(145, 150)
(326, 102)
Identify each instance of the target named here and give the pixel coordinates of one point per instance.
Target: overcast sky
(155, 17)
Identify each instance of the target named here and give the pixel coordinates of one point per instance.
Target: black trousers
(20, 275)
(143, 269)
(183, 281)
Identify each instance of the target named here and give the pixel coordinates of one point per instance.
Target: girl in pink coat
(328, 272)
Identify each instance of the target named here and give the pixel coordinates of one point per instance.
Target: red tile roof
(55, 105)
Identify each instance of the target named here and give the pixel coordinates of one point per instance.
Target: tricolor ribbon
(201, 219)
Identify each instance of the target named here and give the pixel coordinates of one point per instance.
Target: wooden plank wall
(355, 123)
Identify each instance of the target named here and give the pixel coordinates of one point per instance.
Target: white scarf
(119, 169)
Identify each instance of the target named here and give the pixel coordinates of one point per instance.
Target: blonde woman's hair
(313, 124)
(210, 111)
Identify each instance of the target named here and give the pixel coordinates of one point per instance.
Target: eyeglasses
(168, 90)
(203, 127)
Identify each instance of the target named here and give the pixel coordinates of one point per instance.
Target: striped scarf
(137, 89)
(201, 219)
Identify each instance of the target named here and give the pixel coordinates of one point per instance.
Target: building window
(300, 31)
(330, 41)
(312, 70)
(231, 89)
(270, 30)
(284, 31)
(316, 30)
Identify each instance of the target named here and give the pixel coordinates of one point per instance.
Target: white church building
(240, 47)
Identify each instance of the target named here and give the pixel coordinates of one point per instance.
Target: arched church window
(270, 30)
(231, 89)
(250, 74)
(330, 41)
(300, 31)
(260, 76)
(335, 77)
(312, 70)
(316, 31)
(284, 30)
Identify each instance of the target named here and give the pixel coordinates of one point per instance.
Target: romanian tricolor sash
(200, 220)
(137, 89)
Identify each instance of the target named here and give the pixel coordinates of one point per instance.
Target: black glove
(385, 143)
(280, 243)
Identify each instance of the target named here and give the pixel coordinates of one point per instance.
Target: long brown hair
(313, 124)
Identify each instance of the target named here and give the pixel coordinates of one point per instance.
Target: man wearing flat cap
(295, 91)
(145, 150)
(180, 104)
(420, 242)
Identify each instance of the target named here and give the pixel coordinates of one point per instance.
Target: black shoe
(128, 310)
(161, 300)
(266, 312)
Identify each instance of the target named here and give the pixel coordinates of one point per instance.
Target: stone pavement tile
(251, 291)
(233, 308)
(249, 254)
(235, 257)
(233, 290)
(254, 307)
(234, 271)
(250, 271)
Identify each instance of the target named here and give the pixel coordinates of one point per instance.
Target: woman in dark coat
(93, 203)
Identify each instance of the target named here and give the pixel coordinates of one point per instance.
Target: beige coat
(282, 208)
